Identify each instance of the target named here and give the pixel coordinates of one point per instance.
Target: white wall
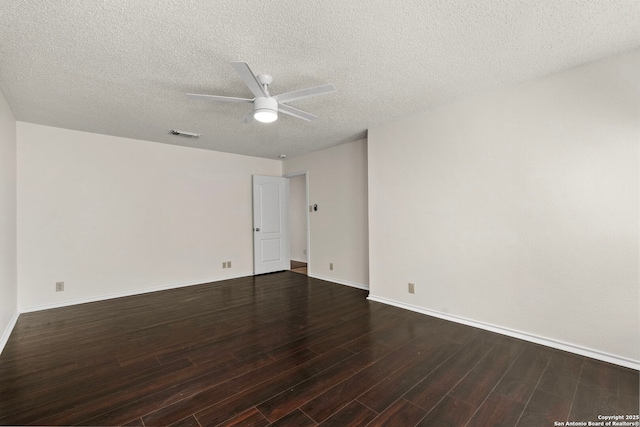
(338, 185)
(113, 216)
(298, 217)
(8, 274)
(518, 209)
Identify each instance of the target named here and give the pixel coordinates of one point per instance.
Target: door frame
(304, 173)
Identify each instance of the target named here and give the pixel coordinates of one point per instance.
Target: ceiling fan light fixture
(265, 115)
(265, 110)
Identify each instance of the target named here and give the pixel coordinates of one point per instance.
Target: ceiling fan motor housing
(265, 109)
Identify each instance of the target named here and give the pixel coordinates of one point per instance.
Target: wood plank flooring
(288, 350)
(299, 267)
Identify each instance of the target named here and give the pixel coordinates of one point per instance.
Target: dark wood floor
(288, 350)
(299, 267)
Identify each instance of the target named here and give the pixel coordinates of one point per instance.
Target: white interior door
(270, 224)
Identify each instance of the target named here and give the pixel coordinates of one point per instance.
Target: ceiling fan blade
(305, 93)
(287, 109)
(250, 79)
(218, 98)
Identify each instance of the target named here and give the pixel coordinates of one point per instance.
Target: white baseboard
(340, 282)
(572, 348)
(127, 294)
(7, 331)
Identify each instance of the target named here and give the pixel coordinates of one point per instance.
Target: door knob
(257, 229)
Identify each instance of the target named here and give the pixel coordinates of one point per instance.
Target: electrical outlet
(228, 264)
(412, 288)
(59, 286)
(330, 266)
(224, 264)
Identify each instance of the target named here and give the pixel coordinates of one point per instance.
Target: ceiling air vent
(184, 134)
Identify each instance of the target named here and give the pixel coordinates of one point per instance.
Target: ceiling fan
(266, 106)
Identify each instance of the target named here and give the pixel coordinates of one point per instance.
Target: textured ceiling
(122, 67)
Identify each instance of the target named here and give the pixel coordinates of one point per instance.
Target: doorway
(299, 222)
